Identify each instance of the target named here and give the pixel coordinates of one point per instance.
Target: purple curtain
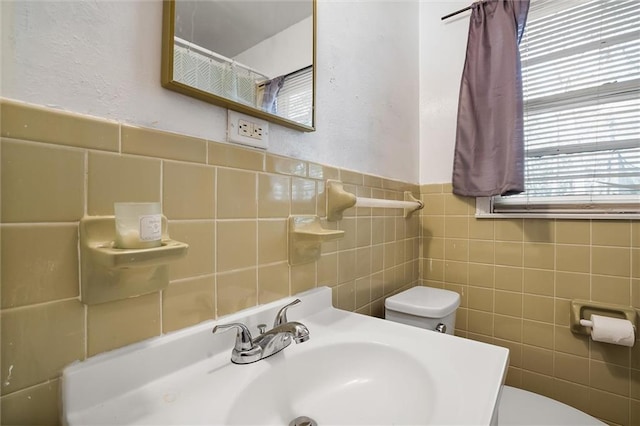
(489, 153)
(270, 97)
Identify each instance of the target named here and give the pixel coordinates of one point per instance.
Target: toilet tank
(424, 307)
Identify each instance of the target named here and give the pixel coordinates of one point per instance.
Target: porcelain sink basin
(338, 384)
(354, 370)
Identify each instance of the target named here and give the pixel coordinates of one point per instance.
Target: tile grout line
(85, 328)
(215, 244)
(161, 293)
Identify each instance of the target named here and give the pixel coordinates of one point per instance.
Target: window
(581, 86)
(295, 98)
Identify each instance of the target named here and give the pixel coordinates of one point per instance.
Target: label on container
(151, 227)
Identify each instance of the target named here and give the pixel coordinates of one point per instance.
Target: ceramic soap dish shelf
(109, 273)
(306, 236)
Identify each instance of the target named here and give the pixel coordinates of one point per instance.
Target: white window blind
(581, 86)
(295, 98)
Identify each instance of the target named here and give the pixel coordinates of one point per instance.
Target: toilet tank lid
(425, 302)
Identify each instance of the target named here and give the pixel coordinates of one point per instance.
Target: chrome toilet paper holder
(583, 309)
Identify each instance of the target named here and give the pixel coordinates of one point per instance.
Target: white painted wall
(293, 47)
(442, 52)
(103, 58)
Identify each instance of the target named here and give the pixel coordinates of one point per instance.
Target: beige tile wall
(517, 277)
(228, 203)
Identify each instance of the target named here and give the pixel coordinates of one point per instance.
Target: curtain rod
(285, 75)
(456, 12)
(213, 55)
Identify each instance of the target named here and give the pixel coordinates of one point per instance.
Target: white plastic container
(138, 225)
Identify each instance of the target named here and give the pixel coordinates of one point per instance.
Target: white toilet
(435, 309)
(424, 307)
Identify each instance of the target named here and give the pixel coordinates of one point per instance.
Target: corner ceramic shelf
(306, 236)
(109, 273)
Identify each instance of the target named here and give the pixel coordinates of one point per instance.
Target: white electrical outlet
(258, 132)
(247, 130)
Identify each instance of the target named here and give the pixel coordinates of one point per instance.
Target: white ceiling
(232, 26)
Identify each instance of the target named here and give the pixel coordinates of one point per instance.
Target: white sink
(338, 383)
(354, 370)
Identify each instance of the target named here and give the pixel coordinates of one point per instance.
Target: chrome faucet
(247, 350)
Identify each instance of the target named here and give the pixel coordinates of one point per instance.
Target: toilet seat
(520, 407)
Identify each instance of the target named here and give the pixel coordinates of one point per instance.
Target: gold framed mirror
(256, 57)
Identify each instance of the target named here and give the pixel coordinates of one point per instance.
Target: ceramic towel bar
(338, 200)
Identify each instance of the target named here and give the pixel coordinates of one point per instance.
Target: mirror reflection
(253, 54)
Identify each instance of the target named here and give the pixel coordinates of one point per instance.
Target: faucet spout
(298, 331)
(278, 338)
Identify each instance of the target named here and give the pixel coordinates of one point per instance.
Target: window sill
(483, 211)
(559, 216)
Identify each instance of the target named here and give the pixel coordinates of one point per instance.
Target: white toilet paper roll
(611, 330)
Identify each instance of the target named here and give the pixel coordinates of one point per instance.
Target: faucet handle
(244, 351)
(244, 341)
(281, 316)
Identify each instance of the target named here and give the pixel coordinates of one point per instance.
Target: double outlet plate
(247, 130)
